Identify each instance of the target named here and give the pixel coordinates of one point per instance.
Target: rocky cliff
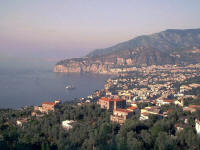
(118, 60)
(167, 47)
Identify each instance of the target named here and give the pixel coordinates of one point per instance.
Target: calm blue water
(32, 87)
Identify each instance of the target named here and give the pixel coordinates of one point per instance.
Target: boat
(70, 87)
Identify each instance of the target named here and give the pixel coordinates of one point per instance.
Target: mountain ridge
(138, 38)
(172, 46)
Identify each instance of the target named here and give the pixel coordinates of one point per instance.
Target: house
(164, 102)
(111, 103)
(68, 124)
(46, 107)
(134, 109)
(120, 115)
(197, 126)
(153, 110)
(22, 121)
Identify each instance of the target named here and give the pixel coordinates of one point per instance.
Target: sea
(29, 87)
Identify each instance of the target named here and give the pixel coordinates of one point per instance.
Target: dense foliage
(93, 130)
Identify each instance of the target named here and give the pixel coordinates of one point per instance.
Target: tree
(188, 139)
(147, 139)
(132, 142)
(165, 142)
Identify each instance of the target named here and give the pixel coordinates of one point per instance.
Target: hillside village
(154, 86)
(148, 95)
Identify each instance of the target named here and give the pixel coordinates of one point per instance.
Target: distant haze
(39, 33)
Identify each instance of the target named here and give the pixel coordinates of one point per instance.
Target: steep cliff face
(82, 65)
(95, 68)
(167, 47)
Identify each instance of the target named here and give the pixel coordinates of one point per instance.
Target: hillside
(167, 47)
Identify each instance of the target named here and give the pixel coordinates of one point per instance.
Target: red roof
(49, 103)
(111, 99)
(132, 108)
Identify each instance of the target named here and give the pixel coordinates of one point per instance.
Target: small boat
(70, 87)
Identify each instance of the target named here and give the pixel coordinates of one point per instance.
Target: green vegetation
(191, 101)
(93, 130)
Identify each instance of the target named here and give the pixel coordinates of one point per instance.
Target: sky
(50, 30)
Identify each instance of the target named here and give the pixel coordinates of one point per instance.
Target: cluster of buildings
(119, 109)
(122, 95)
(121, 112)
(152, 81)
(155, 85)
(40, 111)
(149, 83)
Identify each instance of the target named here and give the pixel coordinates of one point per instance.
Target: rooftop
(132, 108)
(122, 110)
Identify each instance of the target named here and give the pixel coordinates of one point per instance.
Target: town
(158, 100)
(154, 86)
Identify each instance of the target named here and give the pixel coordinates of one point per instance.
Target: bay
(19, 88)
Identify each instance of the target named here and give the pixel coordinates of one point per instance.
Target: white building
(197, 126)
(22, 121)
(67, 124)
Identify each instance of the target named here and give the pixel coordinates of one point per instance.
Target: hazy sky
(57, 29)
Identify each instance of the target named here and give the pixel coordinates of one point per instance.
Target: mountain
(166, 41)
(172, 46)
